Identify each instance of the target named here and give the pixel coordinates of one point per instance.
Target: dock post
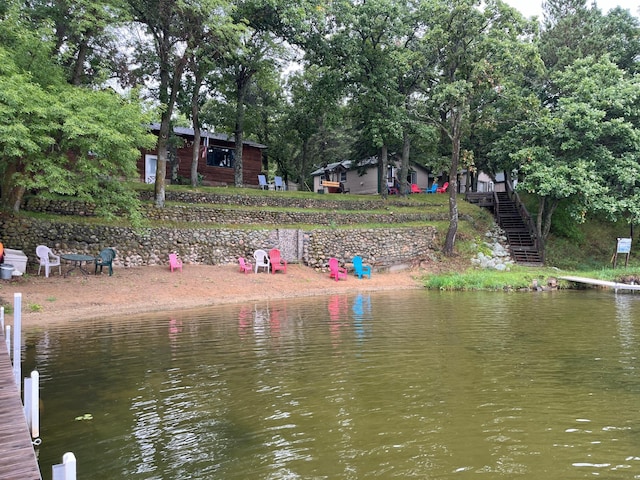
(32, 403)
(17, 341)
(65, 470)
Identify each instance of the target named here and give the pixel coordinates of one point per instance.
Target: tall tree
(585, 149)
(473, 48)
(85, 38)
(59, 139)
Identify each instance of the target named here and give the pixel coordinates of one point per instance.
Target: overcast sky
(530, 8)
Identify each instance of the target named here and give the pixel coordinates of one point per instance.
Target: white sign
(624, 245)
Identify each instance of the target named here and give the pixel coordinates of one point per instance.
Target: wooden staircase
(514, 219)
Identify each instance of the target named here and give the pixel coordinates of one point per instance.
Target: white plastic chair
(262, 260)
(47, 260)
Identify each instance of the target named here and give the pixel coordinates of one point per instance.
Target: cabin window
(220, 157)
(343, 176)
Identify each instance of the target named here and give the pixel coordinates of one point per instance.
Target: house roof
(189, 132)
(351, 165)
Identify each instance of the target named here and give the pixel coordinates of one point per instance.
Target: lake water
(412, 384)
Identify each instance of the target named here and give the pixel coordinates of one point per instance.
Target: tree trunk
(167, 96)
(161, 167)
(453, 183)
(195, 116)
(382, 165)
(78, 69)
(404, 163)
(12, 194)
(242, 86)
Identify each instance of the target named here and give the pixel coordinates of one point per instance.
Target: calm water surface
(392, 385)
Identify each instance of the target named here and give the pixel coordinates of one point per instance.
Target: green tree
(472, 51)
(583, 150)
(65, 140)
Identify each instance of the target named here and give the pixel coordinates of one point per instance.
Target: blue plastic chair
(359, 268)
(433, 188)
(279, 184)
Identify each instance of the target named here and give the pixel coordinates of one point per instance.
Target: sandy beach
(150, 289)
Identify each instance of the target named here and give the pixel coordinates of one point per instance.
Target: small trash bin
(6, 271)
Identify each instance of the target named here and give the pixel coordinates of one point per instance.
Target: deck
(17, 456)
(601, 283)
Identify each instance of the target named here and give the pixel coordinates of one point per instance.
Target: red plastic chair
(443, 188)
(415, 188)
(245, 266)
(174, 262)
(277, 263)
(335, 270)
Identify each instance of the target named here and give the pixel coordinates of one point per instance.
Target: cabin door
(150, 166)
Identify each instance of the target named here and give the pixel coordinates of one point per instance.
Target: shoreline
(146, 290)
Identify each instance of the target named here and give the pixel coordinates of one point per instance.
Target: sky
(530, 8)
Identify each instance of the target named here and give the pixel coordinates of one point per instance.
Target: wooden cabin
(216, 161)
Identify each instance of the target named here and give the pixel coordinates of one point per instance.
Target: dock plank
(600, 283)
(17, 456)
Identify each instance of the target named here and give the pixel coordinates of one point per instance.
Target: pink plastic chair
(245, 266)
(336, 271)
(277, 263)
(174, 262)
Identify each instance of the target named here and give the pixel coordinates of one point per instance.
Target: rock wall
(380, 247)
(326, 214)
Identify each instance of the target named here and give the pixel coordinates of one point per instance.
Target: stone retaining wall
(380, 247)
(214, 215)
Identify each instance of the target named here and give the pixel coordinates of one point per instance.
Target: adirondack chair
(433, 188)
(262, 260)
(105, 259)
(277, 263)
(359, 268)
(174, 262)
(278, 183)
(443, 188)
(415, 188)
(335, 270)
(47, 259)
(262, 180)
(245, 266)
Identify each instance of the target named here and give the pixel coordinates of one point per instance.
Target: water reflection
(386, 385)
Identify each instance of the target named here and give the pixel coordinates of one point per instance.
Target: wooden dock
(601, 283)
(17, 456)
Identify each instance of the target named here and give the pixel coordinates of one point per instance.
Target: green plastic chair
(105, 259)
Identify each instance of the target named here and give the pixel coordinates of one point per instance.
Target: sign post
(624, 246)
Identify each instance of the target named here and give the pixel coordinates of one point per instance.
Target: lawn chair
(336, 271)
(361, 269)
(262, 260)
(105, 259)
(433, 189)
(174, 262)
(277, 263)
(47, 260)
(245, 266)
(443, 188)
(279, 184)
(415, 188)
(262, 180)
